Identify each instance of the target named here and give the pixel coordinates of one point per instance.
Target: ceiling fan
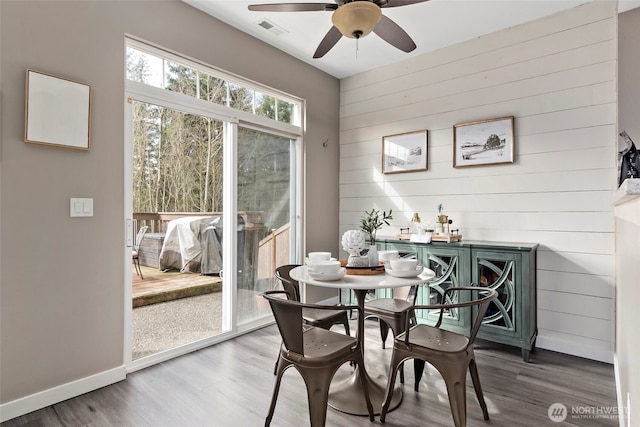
(353, 19)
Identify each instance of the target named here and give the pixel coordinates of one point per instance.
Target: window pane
(240, 98)
(177, 161)
(177, 168)
(174, 76)
(179, 78)
(264, 182)
(265, 106)
(285, 111)
(144, 68)
(213, 89)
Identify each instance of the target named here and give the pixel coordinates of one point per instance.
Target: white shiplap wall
(557, 76)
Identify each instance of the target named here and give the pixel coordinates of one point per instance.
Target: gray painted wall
(62, 294)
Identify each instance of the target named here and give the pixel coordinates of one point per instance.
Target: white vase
(373, 256)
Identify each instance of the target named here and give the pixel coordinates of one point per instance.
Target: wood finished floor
(230, 384)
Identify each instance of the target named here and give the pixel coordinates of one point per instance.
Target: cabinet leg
(525, 354)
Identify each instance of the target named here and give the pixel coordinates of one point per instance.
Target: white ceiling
(432, 25)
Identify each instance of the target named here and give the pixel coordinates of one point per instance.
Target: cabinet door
(450, 266)
(500, 271)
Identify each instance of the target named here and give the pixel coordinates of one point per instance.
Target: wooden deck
(158, 286)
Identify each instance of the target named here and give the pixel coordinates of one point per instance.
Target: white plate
(328, 276)
(409, 273)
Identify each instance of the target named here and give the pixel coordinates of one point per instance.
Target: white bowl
(387, 255)
(325, 267)
(403, 264)
(404, 274)
(319, 256)
(328, 276)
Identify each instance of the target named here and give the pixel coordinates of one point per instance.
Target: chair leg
(359, 360)
(473, 369)
(384, 331)
(345, 322)
(418, 369)
(136, 265)
(396, 361)
(317, 394)
(455, 379)
(280, 368)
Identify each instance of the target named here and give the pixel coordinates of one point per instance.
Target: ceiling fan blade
(393, 34)
(294, 7)
(397, 3)
(329, 41)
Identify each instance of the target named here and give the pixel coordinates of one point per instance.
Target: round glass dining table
(346, 394)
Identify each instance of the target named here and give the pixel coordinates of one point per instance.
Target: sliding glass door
(177, 167)
(211, 168)
(265, 173)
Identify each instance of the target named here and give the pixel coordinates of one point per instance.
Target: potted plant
(370, 223)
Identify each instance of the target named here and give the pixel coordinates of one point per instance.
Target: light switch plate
(80, 207)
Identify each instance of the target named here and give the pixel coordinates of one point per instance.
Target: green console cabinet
(509, 268)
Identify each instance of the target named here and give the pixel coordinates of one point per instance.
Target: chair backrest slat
(288, 317)
(139, 237)
(482, 303)
(292, 287)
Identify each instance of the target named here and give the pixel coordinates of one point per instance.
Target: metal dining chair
(321, 318)
(135, 253)
(391, 313)
(450, 353)
(316, 353)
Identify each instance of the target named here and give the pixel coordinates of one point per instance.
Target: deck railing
(157, 222)
(271, 251)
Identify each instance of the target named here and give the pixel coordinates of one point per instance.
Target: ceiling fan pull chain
(357, 41)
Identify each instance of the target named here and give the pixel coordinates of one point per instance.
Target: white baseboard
(54, 395)
(575, 349)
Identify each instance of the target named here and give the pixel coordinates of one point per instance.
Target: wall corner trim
(54, 395)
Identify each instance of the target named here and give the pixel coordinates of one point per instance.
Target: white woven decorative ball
(353, 241)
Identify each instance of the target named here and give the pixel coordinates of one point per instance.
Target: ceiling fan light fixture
(357, 18)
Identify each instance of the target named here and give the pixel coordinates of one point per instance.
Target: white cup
(315, 257)
(325, 267)
(403, 264)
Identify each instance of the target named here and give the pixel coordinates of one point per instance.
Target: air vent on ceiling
(271, 27)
